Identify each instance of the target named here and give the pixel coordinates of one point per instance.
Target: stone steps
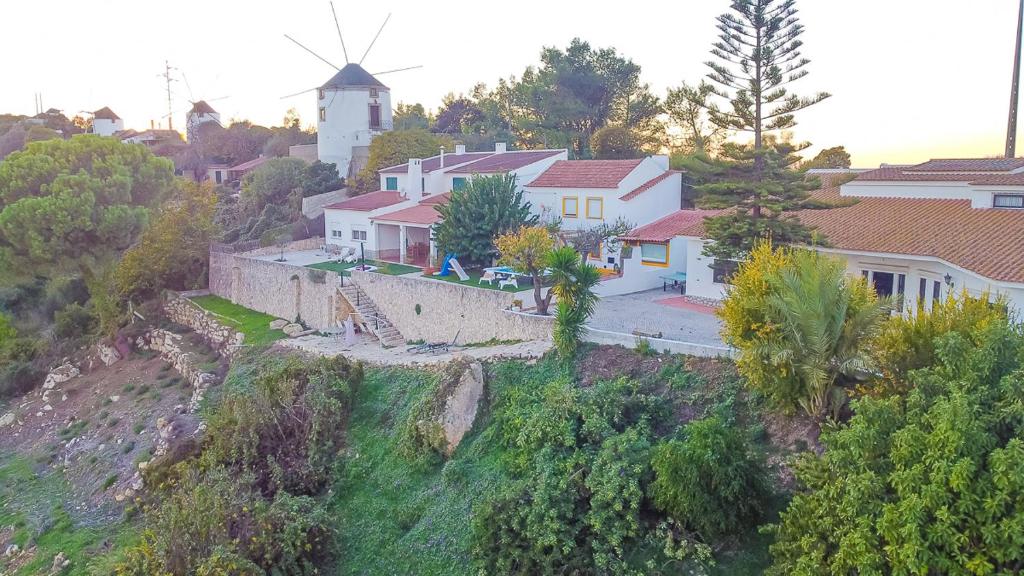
(376, 322)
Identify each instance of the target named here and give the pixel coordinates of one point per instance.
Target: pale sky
(911, 79)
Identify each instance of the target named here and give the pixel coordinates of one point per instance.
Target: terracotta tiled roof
(434, 162)
(421, 213)
(437, 198)
(969, 165)
(245, 166)
(648, 185)
(505, 161)
(679, 223)
(585, 174)
(368, 202)
(999, 180)
(201, 107)
(900, 174)
(986, 241)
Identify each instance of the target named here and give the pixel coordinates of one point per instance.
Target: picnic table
(677, 279)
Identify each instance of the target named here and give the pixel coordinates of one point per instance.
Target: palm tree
(574, 281)
(824, 320)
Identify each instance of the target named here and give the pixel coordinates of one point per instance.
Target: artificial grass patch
(255, 325)
(388, 268)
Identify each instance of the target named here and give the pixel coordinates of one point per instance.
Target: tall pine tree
(758, 56)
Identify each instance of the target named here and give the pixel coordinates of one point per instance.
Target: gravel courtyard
(656, 311)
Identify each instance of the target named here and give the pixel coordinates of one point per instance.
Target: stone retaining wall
(294, 246)
(221, 338)
(168, 345)
(476, 314)
(279, 289)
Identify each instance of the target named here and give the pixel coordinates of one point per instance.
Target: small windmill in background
(198, 112)
(353, 106)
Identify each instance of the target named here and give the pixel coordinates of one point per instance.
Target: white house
(352, 108)
(201, 113)
(106, 123)
(394, 223)
(587, 193)
(915, 232)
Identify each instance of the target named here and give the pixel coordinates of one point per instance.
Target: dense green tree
(321, 177)
(687, 107)
(397, 147)
(278, 181)
(240, 142)
(411, 117)
(614, 143)
(835, 157)
(758, 191)
(757, 58)
(528, 250)
(802, 326)
(289, 134)
(457, 115)
(75, 202)
(474, 217)
(927, 483)
(173, 253)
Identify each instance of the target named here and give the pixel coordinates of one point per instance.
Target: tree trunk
(755, 211)
(542, 303)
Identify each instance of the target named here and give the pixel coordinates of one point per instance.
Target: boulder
(7, 419)
(107, 353)
(59, 563)
(278, 324)
(60, 374)
(293, 329)
(461, 406)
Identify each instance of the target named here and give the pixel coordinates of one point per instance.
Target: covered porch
(404, 243)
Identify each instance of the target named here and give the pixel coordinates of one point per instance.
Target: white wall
(106, 127)
(193, 121)
(345, 221)
(699, 275)
(347, 123)
(637, 276)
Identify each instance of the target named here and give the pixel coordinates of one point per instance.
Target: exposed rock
(47, 408)
(59, 563)
(108, 354)
(278, 324)
(11, 550)
(7, 419)
(115, 398)
(461, 406)
(62, 373)
(293, 329)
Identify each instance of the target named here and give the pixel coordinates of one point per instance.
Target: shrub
(802, 327)
(19, 377)
(73, 322)
(709, 480)
(929, 483)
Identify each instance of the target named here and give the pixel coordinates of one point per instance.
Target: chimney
(414, 184)
(460, 149)
(442, 156)
(499, 148)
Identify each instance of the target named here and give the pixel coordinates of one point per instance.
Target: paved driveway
(655, 311)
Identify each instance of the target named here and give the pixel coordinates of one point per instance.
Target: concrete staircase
(374, 321)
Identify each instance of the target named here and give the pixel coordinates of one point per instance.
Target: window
(321, 94)
(219, 176)
(654, 254)
(391, 183)
(922, 292)
(374, 116)
(336, 234)
(570, 207)
(888, 285)
(1008, 201)
(722, 271)
(359, 235)
(936, 290)
(595, 208)
(323, 114)
(458, 183)
(374, 93)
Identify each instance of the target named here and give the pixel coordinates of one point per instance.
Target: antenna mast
(170, 108)
(1011, 128)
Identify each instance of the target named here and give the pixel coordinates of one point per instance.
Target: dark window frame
(372, 108)
(997, 197)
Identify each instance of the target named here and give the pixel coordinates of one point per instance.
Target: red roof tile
(585, 174)
(434, 162)
(418, 214)
(506, 161)
(648, 185)
(245, 166)
(999, 180)
(368, 202)
(679, 223)
(437, 198)
(969, 165)
(986, 241)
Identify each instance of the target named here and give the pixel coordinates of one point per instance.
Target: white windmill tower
(352, 107)
(200, 113)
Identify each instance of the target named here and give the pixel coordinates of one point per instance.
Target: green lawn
(389, 268)
(255, 325)
(474, 280)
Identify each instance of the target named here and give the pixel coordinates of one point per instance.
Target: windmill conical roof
(105, 113)
(201, 107)
(353, 75)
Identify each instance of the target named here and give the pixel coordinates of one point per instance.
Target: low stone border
(675, 346)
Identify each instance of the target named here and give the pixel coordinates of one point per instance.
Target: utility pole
(1011, 128)
(170, 108)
